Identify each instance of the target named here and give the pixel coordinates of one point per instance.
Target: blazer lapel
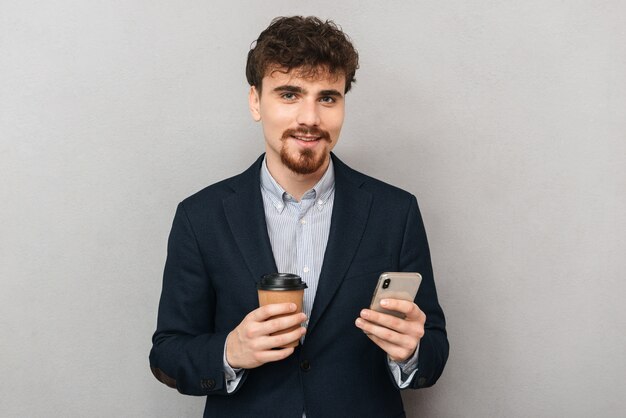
(350, 213)
(246, 218)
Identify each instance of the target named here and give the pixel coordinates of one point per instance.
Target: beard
(306, 161)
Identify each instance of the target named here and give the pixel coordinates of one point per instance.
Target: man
(297, 209)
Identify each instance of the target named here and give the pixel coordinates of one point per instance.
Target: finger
(281, 340)
(252, 329)
(408, 308)
(282, 322)
(389, 321)
(274, 355)
(384, 333)
(273, 309)
(269, 342)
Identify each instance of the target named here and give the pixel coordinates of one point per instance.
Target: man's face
(301, 117)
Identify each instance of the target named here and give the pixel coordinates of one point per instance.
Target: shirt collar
(322, 190)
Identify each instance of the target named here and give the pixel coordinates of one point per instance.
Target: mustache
(322, 134)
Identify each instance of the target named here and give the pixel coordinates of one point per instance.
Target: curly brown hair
(303, 43)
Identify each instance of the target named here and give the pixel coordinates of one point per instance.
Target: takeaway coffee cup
(281, 288)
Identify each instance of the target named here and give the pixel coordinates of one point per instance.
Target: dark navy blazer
(219, 248)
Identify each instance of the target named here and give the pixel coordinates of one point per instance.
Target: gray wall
(506, 119)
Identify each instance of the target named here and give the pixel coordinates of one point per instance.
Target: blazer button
(421, 381)
(305, 365)
(207, 384)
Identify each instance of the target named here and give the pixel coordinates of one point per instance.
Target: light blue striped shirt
(298, 233)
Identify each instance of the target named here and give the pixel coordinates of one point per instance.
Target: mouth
(305, 138)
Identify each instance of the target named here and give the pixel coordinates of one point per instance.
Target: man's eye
(288, 96)
(327, 99)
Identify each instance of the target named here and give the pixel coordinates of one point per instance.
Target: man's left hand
(397, 337)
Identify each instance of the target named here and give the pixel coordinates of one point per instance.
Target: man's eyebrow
(289, 89)
(332, 93)
(296, 89)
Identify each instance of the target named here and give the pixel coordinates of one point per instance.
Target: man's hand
(250, 344)
(397, 337)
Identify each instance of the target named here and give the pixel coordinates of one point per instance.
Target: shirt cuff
(233, 376)
(403, 371)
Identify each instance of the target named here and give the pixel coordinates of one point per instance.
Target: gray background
(506, 119)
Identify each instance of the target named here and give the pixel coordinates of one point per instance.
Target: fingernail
(293, 307)
(384, 302)
(358, 322)
(364, 313)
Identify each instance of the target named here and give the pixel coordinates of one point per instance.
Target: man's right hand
(250, 345)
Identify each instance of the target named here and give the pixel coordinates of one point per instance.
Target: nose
(308, 113)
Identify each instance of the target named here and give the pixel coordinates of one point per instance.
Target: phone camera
(386, 283)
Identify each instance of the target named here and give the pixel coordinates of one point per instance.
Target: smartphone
(395, 286)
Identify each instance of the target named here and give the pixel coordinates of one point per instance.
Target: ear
(254, 104)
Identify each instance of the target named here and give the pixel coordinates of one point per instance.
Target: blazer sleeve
(187, 353)
(415, 256)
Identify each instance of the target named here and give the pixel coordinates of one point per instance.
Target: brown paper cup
(267, 297)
